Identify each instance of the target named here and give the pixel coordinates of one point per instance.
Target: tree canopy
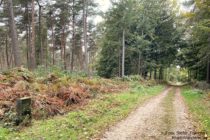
(143, 37)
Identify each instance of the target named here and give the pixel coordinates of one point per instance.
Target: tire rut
(184, 127)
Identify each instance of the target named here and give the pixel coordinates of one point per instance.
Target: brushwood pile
(51, 94)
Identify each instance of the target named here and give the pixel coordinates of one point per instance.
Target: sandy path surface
(147, 122)
(184, 125)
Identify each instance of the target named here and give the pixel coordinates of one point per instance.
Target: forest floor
(72, 107)
(163, 117)
(66, 106)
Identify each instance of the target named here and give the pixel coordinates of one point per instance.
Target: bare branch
(39, 3)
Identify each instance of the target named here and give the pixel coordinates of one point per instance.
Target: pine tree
(13, 35)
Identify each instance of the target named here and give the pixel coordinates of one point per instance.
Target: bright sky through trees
(104, 5)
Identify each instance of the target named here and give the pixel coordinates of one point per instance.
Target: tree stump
(23, 109)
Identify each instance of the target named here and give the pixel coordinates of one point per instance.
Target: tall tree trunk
(11, 56)
(46, 53)
(13, 35)
(119, 65)
(33, 50)
(80, 54)
(3, 58)
(155, 73)
(63, 45)
(123, 53)
(85, 35)
(27, 44)
(189, 75)
(7, 52)
(73, 36)
(208, 70)
(166, 75)
(1, 62)
(53, 39)
(27, 34)
(139, 64)
(161, 73)
(208, 63)
(150, 73)
(40, 49)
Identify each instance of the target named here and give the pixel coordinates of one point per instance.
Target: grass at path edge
(199, 106)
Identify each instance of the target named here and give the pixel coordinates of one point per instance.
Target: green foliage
(10, 120)
(4, 133)
(138, 87)
(43, 72)
(177, 75)
(151, 37)
(196, 53)
(132, 78)
(59, 72)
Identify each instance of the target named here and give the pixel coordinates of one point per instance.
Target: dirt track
(161, 118)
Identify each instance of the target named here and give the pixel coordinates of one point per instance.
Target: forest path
(161, 118)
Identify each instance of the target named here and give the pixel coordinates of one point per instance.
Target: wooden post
(23, 109)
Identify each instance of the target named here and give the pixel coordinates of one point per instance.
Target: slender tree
(32, 42)
(85, 4)
(13, 35)
(40, 52)
(73, 35)
(123, 53)
(208, 70)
